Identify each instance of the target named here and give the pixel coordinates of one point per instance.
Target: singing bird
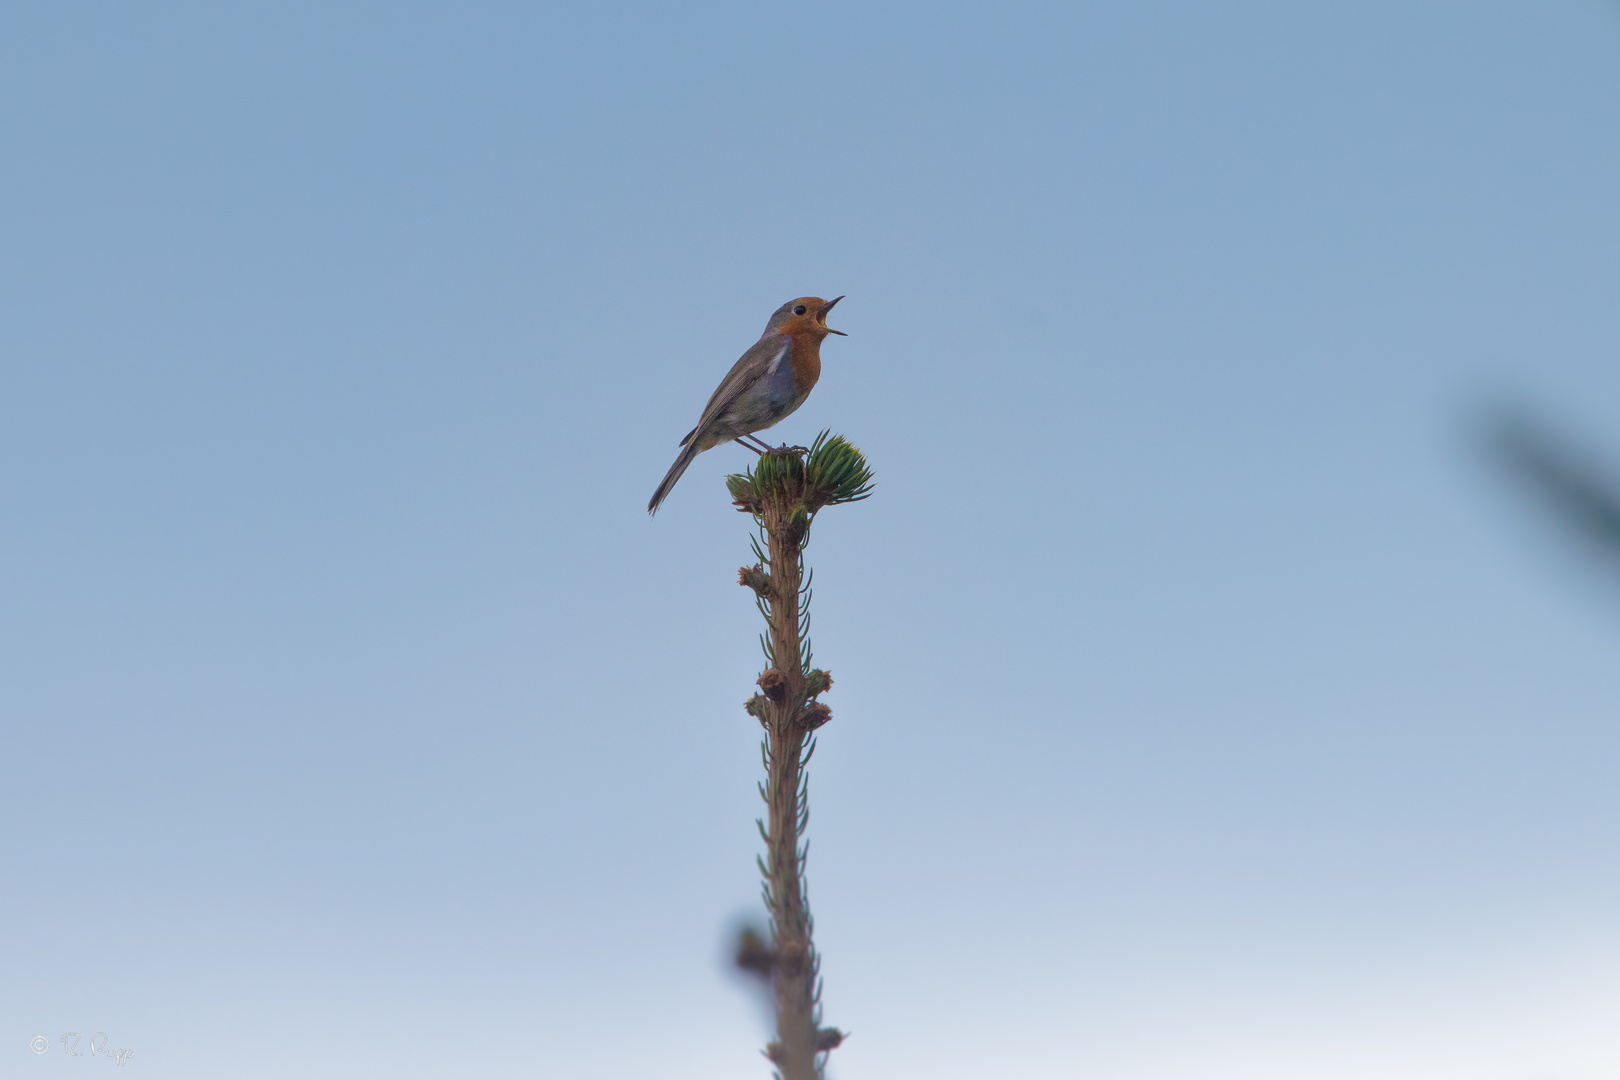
(770, 380)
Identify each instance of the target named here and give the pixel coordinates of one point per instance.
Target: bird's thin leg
(754, 444)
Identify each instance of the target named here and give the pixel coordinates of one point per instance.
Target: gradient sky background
(1207, 704)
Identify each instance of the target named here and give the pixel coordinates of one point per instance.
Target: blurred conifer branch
(783, 492)
(1570, 482)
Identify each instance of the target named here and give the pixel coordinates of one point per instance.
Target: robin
(770, 380)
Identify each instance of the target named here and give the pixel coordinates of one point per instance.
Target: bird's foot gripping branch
(783, 492)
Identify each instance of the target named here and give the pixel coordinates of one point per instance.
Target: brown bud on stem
(775, 685)
(755, 577)
(815, 714)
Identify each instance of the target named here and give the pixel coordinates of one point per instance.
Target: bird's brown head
(806, 315)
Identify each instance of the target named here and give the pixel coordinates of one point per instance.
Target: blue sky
(1207, 704)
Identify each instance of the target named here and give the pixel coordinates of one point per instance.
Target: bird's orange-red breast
(768, 382)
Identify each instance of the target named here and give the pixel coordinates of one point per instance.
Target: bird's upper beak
(821, 317)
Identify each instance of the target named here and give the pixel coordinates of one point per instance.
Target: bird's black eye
(798, 309)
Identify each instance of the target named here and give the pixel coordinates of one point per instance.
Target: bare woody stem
(783, 494)
(797, 964)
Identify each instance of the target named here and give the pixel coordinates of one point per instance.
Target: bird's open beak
(821, 316)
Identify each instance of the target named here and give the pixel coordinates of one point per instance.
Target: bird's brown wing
(764, 357)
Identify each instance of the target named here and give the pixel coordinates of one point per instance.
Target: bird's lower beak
(821, 316)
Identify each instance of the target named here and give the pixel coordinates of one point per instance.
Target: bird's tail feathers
(681, 462)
